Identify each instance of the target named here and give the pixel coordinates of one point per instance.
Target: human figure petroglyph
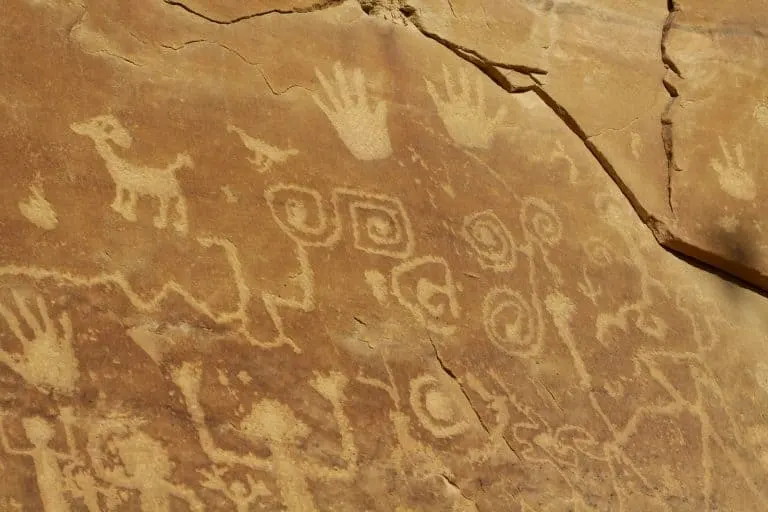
(362, 129)
(419, 294)
(47, 360)
(62, 476)
(465, 117)
(144, 465)
(36, 209)
(132, 180)
(274, 423)
(50, 480)
(734, 179)
(264, 156)
(491, 241)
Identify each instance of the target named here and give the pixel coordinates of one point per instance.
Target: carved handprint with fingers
(47, 360)
(464, 117)
(362, 128)
(734, 179)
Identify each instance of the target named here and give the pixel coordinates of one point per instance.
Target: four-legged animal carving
(132, 180)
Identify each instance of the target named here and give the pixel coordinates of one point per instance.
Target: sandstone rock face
(382, 256)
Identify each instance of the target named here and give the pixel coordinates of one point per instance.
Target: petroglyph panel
(317, 257)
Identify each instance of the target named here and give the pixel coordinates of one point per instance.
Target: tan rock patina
(374, 256)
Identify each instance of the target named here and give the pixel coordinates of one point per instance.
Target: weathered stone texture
(382, 256)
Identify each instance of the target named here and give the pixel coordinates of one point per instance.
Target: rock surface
(377, 256)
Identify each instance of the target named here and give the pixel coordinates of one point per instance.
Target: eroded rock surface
(370, 256)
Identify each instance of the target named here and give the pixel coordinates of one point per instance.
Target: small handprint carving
(362, 129)
(47, 360)
(465, 118)
(734, 180)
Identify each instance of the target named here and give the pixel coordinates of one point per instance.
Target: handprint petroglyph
(464, 117)
(47, 360)
(362, 129)
(133, 180)
(264, 155)
(734, 179)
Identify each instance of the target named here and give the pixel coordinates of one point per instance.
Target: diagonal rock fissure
(666, 116)
(231, 21)
(452, 483)
(452, 375)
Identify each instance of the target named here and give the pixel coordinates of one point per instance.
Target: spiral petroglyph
(491, 241)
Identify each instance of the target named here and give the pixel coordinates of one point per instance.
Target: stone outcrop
(383, 256)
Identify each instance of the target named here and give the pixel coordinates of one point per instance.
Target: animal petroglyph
(47, 360)
(732, 175)
(435, 408)
(274, 423)
(143, 464)
(493, 244)
(37, 210)
(512, 324)
(362, 129)
(133, 181)
(465, 117)
(433, 303)
(264, 155)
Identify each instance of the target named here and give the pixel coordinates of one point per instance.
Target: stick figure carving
(465, 119)
(47, 361)
(133, 180)
(144, 464)
(50, 481)
(275, 424)
(362, 129)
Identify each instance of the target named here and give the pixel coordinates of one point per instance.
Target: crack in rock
(667, 136)
(318, 6)
(452, 482)
(453, 376)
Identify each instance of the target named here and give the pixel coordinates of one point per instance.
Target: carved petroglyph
(543, 228)
(465, 117)
(47, 360)
(379, 285)
(242, 494)
(126, 457)
(734, 179)
(560, 154)
(511, 323)
(274, 423)
(379, 223)
(561, 308)
(761, 113)
(761, 376)
(493, 244)
(362, 129)
(50, 480)
(63, 477)
(37, 210)
(264, 155)
(420, 294)
(435, 408)
(133, 181)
